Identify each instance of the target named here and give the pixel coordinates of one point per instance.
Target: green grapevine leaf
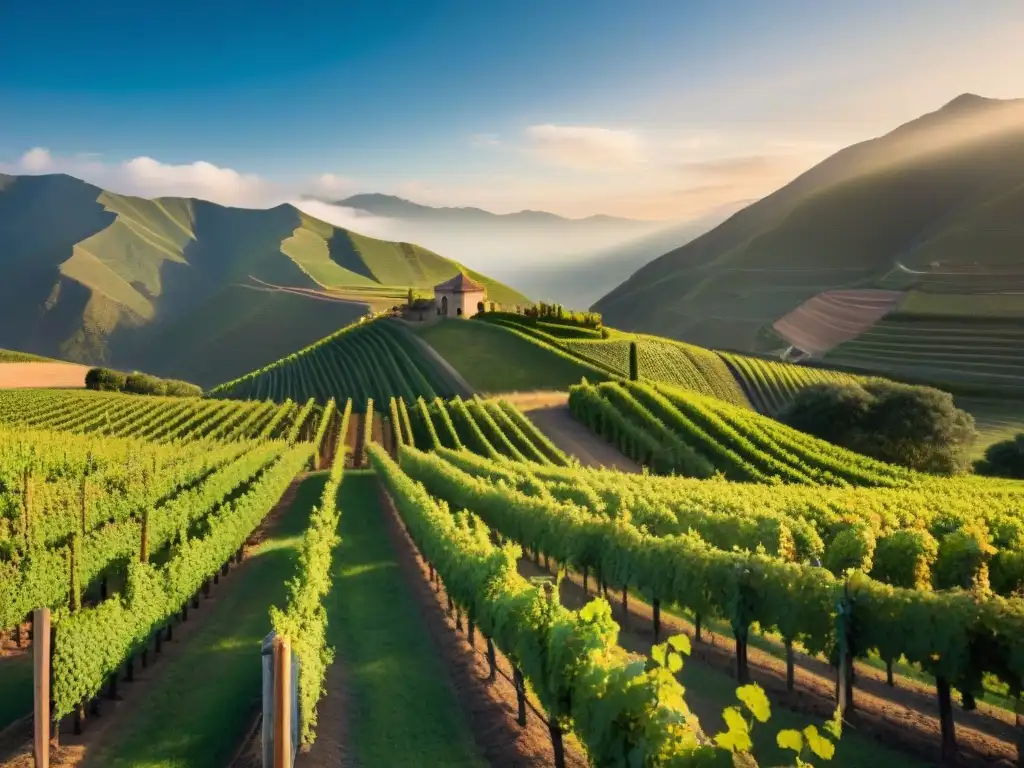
(737, 736)
(790, 739)
(818, 744)
(756, 701)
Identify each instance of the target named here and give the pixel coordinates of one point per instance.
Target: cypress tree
(634, 365)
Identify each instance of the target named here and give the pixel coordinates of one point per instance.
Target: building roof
(461, 283)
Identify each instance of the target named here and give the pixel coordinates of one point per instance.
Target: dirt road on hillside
(557, 422)
(38, 375)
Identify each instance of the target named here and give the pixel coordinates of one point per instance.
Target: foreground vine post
(556, 742)
(1019, 710)
(520, 684)
(492, 662)
(282, 703)
(656, 605)
(41, 678)
(946, 721)
(844, 687)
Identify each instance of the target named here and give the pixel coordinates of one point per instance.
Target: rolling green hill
(11, 356)
(924, 220)
(96, 277)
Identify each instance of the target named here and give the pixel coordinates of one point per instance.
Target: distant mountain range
(570, 261)
(389, 206)
(184, 287)
(903, 254)
(581, 281)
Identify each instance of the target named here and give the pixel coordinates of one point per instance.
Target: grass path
(403, 710)
(201, 703)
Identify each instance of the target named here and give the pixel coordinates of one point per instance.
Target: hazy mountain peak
(968, 101)
(393, 206)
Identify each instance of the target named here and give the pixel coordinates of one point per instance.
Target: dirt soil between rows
(574, 439)
(903, 718)
(42, 375)
(490, 708)
(73, 751)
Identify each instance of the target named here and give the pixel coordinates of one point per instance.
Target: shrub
(916, 427)
(104, 380)
(178, 388)
(144, 384)
(1005, 459)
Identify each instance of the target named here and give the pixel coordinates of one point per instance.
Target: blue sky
(652, 108)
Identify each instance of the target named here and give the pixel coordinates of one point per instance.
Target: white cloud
(147, 177)
(331, 185)
(199, 179)
(36, 159)
(585, 147)
(350, 218)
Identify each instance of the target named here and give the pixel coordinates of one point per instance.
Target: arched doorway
(444, 306)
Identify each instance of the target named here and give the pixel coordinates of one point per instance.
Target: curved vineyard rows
(486, 427)
(771, 385)
(676, 431)
(375, 360)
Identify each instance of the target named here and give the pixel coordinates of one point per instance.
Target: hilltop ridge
(178, 285)
(880, 233)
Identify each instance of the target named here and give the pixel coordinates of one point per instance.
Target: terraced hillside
(984, 355)
(923, 221)
(108, 278)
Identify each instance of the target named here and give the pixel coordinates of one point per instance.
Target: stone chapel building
(459, 297)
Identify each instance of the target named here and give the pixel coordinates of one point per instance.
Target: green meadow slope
(929, 213)
(96, 277)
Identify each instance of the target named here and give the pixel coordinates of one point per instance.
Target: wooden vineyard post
(556, 743)
(844, 631)
(520, 684)
(1019, 710)
(282, 703)
(656, 605)
(492, 663)
(946, 722)
(41, 679)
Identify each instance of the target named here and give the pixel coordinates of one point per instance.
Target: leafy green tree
(916, 427)
(1005, 459)
(104, 379)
